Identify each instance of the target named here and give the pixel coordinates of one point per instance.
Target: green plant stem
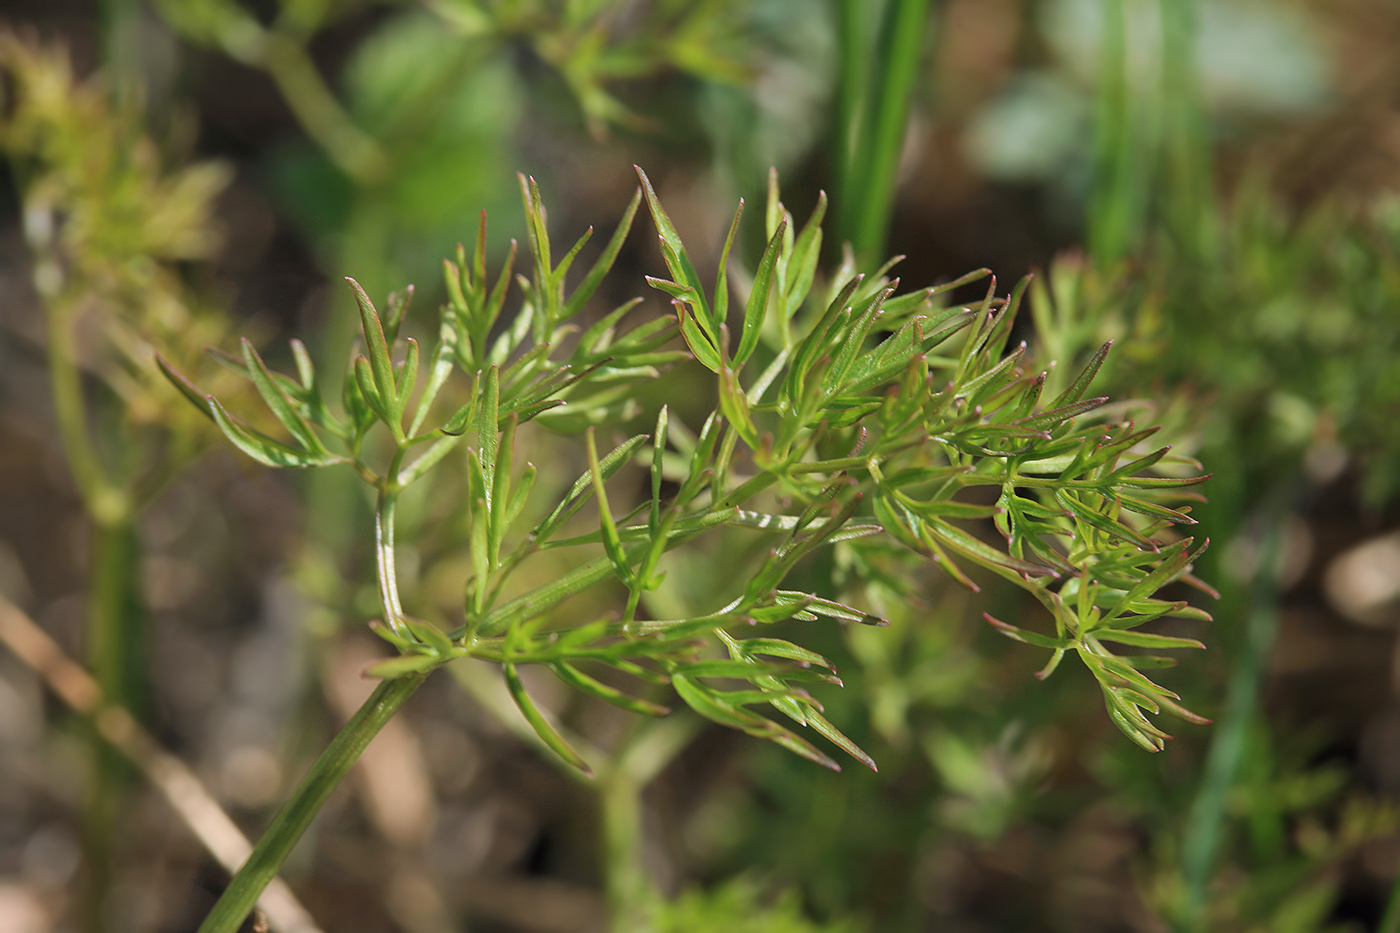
(628, 889)
(574, 581)
(1227, 749)
(105, 502)
(311, 794)
(646, 753)
(115, 650)
(114, 633)
(384, 558)
(121, 39)
(356, 153)
(114, 640)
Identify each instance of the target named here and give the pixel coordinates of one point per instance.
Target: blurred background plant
(106, 222)
(1226, 171)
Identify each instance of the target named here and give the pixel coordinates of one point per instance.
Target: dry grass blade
(181, 788)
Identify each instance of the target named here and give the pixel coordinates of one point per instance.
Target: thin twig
(190, 800)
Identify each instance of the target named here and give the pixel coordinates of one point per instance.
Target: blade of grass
(876, 124)
(1206, 820)
(1116, 211)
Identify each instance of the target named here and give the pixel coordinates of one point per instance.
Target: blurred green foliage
(737, 907)
(108, 220)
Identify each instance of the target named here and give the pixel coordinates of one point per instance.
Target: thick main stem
(629, 890)
(296, 815)
(115, 652)
(114, 639)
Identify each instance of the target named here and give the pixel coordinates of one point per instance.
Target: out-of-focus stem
(114, 631)
(104, 501)
(316, 108)
(652, 747)
(113, 637)
(629, 890)
(115, 652)
(121, 34)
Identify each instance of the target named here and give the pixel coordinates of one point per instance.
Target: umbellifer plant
(847, 414)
